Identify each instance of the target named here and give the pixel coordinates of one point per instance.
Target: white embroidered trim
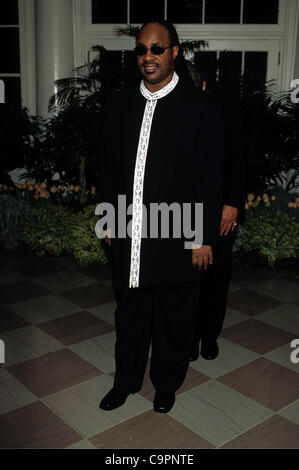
(139, 173)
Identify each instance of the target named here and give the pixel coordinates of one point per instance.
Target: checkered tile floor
(56, 320)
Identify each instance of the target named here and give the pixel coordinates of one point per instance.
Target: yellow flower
(290, 204)
(267, 204)
(251, 197)
(258, 198)
(273, 198)
(250, 203)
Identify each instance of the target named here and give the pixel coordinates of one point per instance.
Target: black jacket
(185, 163)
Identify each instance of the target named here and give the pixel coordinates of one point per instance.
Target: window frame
(4, 75)
(27, 54)
(223, 26)
(87, 34)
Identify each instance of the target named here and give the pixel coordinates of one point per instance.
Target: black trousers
(213, 292)
(164, 316)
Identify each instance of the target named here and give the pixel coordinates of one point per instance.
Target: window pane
(220, 11)
(184, 11)
(9, 50)
(141, 12)
(112, 11)
(230, 69)
(255, 69)
(9, 12)
(259, 12)
(12, 89)
(206, 64)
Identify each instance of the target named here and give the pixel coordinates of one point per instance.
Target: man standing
(161, 144)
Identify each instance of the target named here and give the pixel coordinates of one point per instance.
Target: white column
(296, 69)
(54, 48)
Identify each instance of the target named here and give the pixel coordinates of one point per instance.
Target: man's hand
(108, 241)
(228, 219)
(202, 257)
(108, 236)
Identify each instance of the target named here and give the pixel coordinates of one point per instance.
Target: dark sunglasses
(156, 49)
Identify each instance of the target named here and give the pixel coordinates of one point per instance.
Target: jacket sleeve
(107, 164)
(210, 167)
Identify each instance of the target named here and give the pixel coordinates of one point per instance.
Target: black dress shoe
(194, 354)
(163, 401)
(209, 349)
(113, 399)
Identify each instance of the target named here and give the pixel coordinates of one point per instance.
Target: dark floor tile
(257, 335)
(89, 296)
(19, 291)
(35, 426)
(41, 267)
(266, 382)
(76, 327)
(53, 372)
(273, 433)
(149, 430)
(10, 320)
(100, 272)
(250, 302)
(292, 277)
(248, 277)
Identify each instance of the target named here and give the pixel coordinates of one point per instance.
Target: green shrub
(48, 230)
(276, 237)
(12, 212)
(86, 246)
(57, 230)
